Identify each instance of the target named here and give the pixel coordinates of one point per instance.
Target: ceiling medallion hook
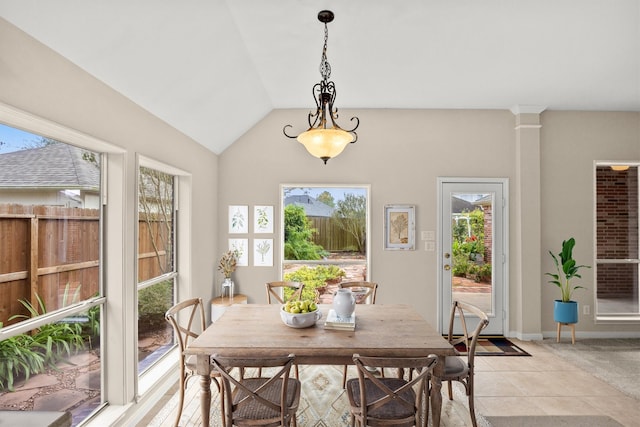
(325, 139)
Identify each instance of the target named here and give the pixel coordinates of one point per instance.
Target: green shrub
(298, 234)
(313, 277)
(153, 302)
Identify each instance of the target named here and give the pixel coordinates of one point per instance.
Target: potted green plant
(565, 310)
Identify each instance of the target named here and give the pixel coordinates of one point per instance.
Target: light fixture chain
(325, 68)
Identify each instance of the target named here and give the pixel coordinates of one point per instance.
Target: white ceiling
(213, 68)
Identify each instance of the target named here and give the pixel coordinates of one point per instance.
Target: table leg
(205, 398)
(203, 368)
(436, 397)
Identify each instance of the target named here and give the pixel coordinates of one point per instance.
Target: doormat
(494, 346)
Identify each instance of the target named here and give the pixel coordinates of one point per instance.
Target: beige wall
(399, 153)
(571, 142)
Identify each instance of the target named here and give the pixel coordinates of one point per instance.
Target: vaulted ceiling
(213, 68)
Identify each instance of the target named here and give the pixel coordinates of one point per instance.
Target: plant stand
(573, 331)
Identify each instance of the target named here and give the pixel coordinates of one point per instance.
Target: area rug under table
(554, 420)
(494, 346)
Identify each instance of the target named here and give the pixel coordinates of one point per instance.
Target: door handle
(447, 267)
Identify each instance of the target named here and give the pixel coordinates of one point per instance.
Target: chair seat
(455, 367)
(271, 392)
(391, 409)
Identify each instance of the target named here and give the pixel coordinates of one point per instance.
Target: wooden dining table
(256, 330)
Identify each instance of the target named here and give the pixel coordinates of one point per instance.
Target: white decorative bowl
(300, 320)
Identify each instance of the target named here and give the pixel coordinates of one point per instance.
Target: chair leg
(472, 411)
(450, 387)
(181, 403)
(344, 378)
(223, 416)
(427, 401)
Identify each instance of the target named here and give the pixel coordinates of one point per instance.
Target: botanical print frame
(399, 227)
(238, 219)
(240, 247)
(262, 219)
(263, 252)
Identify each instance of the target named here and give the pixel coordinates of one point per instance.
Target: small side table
(220, 304)
(573, 331)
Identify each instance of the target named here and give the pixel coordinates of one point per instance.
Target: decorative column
(526, 290)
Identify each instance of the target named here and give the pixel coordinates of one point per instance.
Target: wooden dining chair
(187, 329)
(276, 290)
(364, 293)
(461, 368)
(262, 401)
(390, 401)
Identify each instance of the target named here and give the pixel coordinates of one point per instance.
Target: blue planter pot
(565, 312)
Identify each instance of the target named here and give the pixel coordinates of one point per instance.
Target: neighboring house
(53, 175)
(312, 207)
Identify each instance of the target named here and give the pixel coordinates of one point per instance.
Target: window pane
(55, 367)
(49, 226)
(50, 258)
(325, 237)
(617, 213)
(155, 335)
(618, 288)
(156, 275)
(155, 211)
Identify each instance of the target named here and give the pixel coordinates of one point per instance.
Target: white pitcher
(344, 303)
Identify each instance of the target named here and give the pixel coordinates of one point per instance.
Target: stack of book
(339, 323)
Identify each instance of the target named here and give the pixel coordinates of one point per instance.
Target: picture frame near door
(399, 227)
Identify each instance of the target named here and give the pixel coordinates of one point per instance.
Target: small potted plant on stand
(565, 311)
(226, 266)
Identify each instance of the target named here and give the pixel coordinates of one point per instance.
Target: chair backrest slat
(274, 289)
(470, 338)
(389, 390)
(184, 328)
(251, 389)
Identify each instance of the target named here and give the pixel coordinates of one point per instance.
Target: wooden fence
(50, 251)
(331, 237)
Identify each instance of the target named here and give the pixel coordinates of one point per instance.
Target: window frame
(611, 317)
(365, 187)
(30, 123)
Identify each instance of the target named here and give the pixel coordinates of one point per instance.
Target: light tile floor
(543, 384)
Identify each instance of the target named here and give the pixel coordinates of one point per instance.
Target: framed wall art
(399, 227)
(263, 252)
(238, 219)
(263, 219)
(240, 247)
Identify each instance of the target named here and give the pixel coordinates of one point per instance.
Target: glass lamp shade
(325, 143)
(619, 167)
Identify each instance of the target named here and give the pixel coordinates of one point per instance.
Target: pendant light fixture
(325, 139)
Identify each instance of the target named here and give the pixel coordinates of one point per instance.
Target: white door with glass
(471, 251)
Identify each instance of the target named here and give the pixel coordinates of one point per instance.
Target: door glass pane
(472, 249)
